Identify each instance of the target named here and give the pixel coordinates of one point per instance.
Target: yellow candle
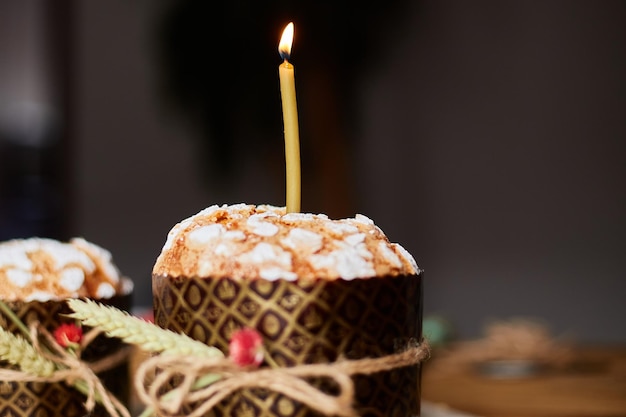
(290, 121)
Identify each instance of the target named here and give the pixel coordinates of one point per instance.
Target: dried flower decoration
(18, 351)
(246, 347)
(42, 357)
(133, 330)
(68, 335)
(195, 377)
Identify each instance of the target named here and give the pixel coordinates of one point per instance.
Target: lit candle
(290, 121)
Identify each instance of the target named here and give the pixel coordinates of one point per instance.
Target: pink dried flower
(68, 335)
(246, 347)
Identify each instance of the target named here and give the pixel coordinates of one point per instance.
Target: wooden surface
(593, 385)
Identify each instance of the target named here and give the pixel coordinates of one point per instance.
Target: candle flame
(284, 47)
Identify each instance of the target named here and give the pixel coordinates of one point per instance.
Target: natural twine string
(72, 370)
(156, 375)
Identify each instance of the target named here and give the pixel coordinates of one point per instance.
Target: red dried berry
(246, 347)
(68, 334)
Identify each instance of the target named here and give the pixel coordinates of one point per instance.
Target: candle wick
(284, 54)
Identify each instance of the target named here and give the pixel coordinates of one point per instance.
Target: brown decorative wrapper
(305, 322)
(38, 399)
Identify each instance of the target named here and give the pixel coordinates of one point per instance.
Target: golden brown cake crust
(39, 269)
(264, 242)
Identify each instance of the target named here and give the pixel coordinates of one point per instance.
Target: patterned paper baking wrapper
(305, 322)
(57, 399)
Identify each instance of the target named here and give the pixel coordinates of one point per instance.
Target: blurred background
(487, 137)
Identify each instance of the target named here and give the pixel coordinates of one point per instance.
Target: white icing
(209, 210)
(105, 290)
(272, 274)
(356, 242)
(224, 249)
(363, 251)
(127, 286)
(97, 251)
(205, 267)
(173, 234)
(354, 239)
(13, 255)
(19, 277)
(264, 229)
(64, 254)
(204, 234)
(234, 235)
(303, 239)
(264, 252)
(297, 217)
(111, 271)
(341, 228)
(260, 227)
(237, 207)
(103, 257)
(41, 296)
(359, 218)
(346, 262)
(263, 214)
(406, 256)
(72, 279)
(389, 254)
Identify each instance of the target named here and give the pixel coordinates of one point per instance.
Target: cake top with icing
(39, 269)
(264, 242)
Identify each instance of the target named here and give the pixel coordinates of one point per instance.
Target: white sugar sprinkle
(297, 217)
(264, 252)
(13, 255)
(359, 218)
(209, 210)
(264, 229)
(234, 235)
(340, 228)
(272, 274)
(389, 254)
(64, 255)
(105, 290)
(347, 262)
(203, 235)
(235, 207)
(72, 279)
(103, 256)
(176, 230)
(39, 296)
(205, 267)
(19, 277)
(260, 227)
(224, 249)
(407, 256)
(354, 239)
(302, 239)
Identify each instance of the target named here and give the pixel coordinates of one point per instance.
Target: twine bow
(157, 374)
(72, 370)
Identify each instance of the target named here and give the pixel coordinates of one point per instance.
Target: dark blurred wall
(504, 161)
(35, 190)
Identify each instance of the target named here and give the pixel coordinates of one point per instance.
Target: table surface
(594, 385)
